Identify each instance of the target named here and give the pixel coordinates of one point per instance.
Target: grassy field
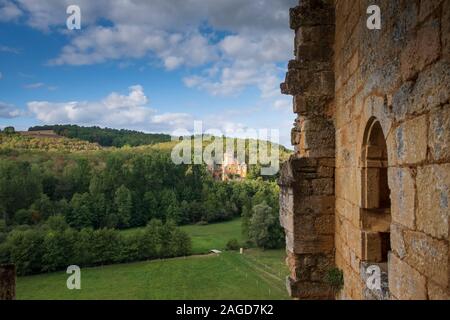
(211, 236)
(226, 276)
(256, 274)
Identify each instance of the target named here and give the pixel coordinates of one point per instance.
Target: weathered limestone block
(433, 191)
(398, 245)
(439, 133)
(421, 50)
(7, 282)
(318, 137)
(430, 90)
(411, 140)
(308, 290)
(310, 105)
(445, 30)
(427, 255)
(308, 82)
(405, 282)
(402, 186)
(312, 13)
(437, 292)
(427, 7)
(318, 35)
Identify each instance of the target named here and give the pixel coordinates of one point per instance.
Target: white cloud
(8, 11)
(115, 110)
(283, 104)
(9, 49)
(100, 44)
(258, 37)
(9, 111)
(232, 79)
(35, 85)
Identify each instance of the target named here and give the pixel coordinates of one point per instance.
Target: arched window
(375, 202)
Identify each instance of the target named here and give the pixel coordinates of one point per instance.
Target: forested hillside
(55, 195)
(105, 136)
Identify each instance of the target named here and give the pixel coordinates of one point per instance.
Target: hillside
(105, 137)
(44, 142)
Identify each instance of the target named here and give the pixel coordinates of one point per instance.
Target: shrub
(54, 246)
(233, 244)
(335, 279)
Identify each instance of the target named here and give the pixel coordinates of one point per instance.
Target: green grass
(256, 274)
(227, 276)
(211, 236)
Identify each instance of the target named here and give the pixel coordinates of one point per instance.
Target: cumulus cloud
(178, 34)
(9, 111)
(9, 11)
(116, 110)
(232, 79)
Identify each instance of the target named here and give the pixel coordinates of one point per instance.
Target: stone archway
(375, 210)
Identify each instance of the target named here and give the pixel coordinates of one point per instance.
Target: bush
(233, 244)
(54, 246)
(264, 227)
(335, 279)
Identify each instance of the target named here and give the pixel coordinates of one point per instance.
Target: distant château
(229, 169)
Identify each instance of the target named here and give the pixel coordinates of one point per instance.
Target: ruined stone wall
(399, 77)
(307, 180)
(7, 282)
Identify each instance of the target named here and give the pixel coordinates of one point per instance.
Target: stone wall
(399, 77)
(7, 282)
(307, 180)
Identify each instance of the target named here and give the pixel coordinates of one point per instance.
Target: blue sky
(154, 66)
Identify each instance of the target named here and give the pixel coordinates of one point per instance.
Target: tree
(26, 250)
(150, 206)
(23, 216)
(57, 223)
(58, 247)
(124, 204)
(80, 214)
(264, 228)
(151, 241)
(9, 130)
(180, 244)
(174, 213)
(20, 186)
(43, 207)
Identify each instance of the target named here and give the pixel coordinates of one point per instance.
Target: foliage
(105, 136)
(55, 246)
(335, 279)
(264, 228)
(233, 244)
(17, 141)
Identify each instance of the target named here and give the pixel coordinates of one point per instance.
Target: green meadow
(210, 236)
(256, 274)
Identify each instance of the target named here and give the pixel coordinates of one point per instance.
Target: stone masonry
(369, 184)
(7, 282)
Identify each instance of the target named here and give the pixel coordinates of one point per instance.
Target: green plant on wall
(335, 279)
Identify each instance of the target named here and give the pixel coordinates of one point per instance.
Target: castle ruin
(369, 185)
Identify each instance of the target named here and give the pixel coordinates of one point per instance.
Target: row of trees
(54, 245)
(105, 136)
(17, 141)
(123, 190)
